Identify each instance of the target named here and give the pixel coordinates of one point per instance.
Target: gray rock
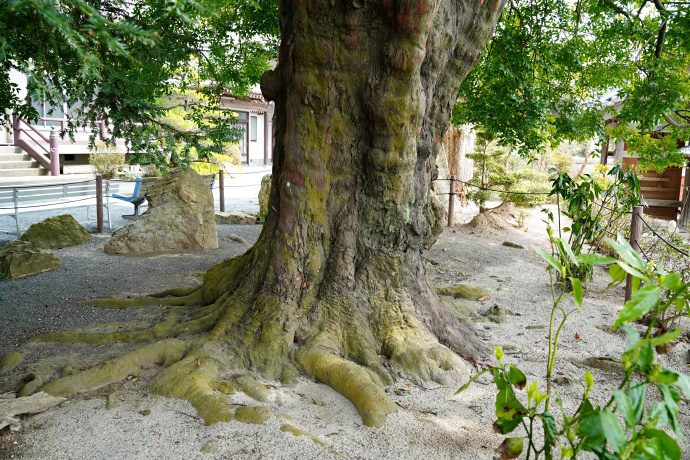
(21, 258)
(57, 232)
(236, 218)
(264, 194)
(180, 217)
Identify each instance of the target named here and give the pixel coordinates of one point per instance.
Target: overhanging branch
(674, 123)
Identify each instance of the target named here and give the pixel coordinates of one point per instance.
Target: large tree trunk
(335, 287)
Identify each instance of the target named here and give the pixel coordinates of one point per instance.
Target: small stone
(210, 446)
(463, 291)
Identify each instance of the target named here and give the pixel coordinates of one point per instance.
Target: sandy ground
(431, 423)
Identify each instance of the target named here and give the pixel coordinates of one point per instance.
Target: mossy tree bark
(335, 287)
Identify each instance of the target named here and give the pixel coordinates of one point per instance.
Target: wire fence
(507, 192)
(654, 232)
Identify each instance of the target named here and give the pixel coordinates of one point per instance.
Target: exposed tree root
(355, 352)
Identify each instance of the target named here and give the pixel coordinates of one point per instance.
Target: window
(252, 128)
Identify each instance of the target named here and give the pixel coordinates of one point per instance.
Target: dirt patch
(489, 221)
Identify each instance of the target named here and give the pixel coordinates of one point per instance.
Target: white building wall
(6, 125)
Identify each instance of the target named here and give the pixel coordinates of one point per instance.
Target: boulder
(236, 218)
(180, 217)
(57, 232)
(21, 258)
(264, 194)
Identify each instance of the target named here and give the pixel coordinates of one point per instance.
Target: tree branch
(674, 123)
(617, 8)
(660, 40)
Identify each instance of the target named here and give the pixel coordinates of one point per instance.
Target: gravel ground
(432, 422)
(50, 301)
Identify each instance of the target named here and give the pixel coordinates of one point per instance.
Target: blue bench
(142, 185)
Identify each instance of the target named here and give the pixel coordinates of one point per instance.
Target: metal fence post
(635, 236)
(99, 202)
(451, 201)
(221, 189)
(54, 154)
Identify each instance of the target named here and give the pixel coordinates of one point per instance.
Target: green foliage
(655, 153)
(212, 166)
(543, 73)
(130, 63)
(595, 427)
(497, 168)
(106, 159)
(593, 204)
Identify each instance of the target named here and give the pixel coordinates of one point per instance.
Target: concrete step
(5, 149)
(18, 164)
(21, 172)
(15, 157)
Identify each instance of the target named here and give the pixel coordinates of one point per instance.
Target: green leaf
(590, 426)
(551, 261)
(662, 446)
(517, 377)
(565, 247)
(505, 426)
(472, 380)
(510, 448)
(657, 415)
(550, 430)
(642, 301)
(578, 293)
(499, 353)
(635, 273)
(636, 396)
(616, 273)
(589, 380)
(627, 253)
(633, 336)
(671, 398)
(625, 408)
(612, 431)
(672, 281)
(666, 338)
(595, 259)
(683, 383)
(507, 404)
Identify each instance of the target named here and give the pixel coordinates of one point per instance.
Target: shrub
(214, 164)
(106, 159)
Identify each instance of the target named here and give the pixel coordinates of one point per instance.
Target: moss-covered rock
(10, 360)
(22, 258)
(57, 232)
(463, 291)
(497, 314)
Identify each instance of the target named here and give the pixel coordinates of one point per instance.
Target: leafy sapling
(592, 427)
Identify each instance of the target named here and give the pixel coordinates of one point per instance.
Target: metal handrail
(30, 147)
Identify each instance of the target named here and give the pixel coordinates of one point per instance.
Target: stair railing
(42, 149)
